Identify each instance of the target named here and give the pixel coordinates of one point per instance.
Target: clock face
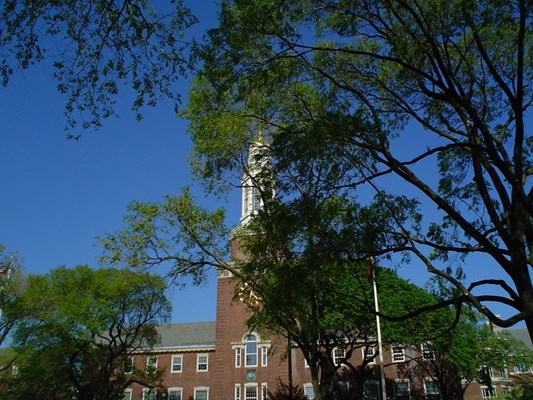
(251, 375)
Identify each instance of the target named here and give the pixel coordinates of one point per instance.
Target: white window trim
(393, 354)
(176, 356)
(175, 389)
(369, 359)
(257, 353)
(201, 388)
(146, 391)
(335, 356)
(491, 396)
(309, 386)
(521, 369)
(131, 370)
(238, 357)
(129, 391)
(198, 362)
(264, 391)
(156, 361)
(427, 351)
(426, 381)
(264, 356)
(503, 374)
(251, 385)
(238, 392)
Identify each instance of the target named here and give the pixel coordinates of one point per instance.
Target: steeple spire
(254, 178)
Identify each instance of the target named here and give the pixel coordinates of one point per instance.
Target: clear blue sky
(58, 195)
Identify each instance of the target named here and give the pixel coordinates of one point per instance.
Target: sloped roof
(521, 334)
(193, 335)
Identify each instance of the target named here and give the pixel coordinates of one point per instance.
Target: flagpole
(378, 324)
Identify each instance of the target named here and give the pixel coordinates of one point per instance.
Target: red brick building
(224, 360)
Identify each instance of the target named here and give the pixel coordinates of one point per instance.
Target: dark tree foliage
(416, 109)
(97, 46)
(286, 392)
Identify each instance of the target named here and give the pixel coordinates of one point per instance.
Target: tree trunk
(450, 382)
(323, 377)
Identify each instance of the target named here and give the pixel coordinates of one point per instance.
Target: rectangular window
(238, 360)
(427, 352)
(128, 365)
(149, 394)
(251, 351)
(398, 354)
(177, 363)
(521, 368)
(264, 391)
(339, 354)
(126, 395)
(250, 392)
(264, 356)
(175, 393)
(151, 363)
(401, 390)
(201, 393)
(369, 354)
(256, 199)
(486, 372)
(237, 392)
(432, 390)
(309, 391)
(503, 373)
(487, 393)
(371, 390)
(201, 362)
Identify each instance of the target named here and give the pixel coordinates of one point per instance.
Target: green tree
(11, 310)
(82, 330)
(94, 46)
(299, 287)
(421, 103)
(289, 276)
(465, 354)
(11, 284)
(522, 387)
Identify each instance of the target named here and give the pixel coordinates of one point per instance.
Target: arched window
(251, 350)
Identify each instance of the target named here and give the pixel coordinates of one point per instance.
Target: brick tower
(247, 364)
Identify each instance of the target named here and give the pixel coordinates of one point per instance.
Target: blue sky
(57, 195)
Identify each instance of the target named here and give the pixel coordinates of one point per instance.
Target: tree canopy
(414, 111)
(81, 329)
(98, 48)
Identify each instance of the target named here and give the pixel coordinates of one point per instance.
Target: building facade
(224, 360)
